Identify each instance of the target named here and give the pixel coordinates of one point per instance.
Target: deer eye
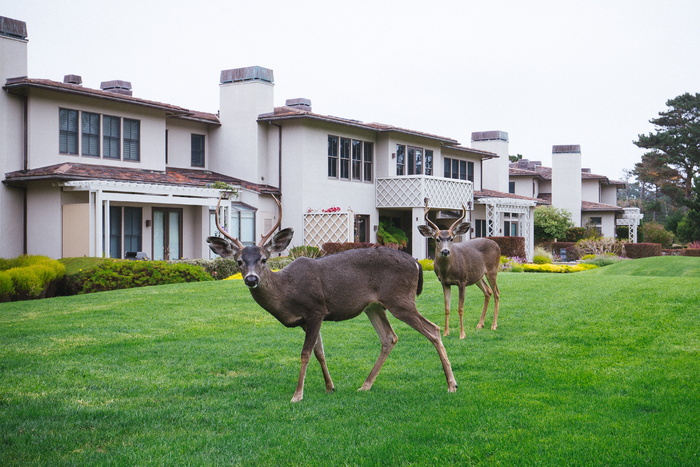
(240, 263)
(263, 261)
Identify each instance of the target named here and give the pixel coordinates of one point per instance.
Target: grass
(594, 368)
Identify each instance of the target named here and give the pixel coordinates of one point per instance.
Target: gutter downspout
(25, 166)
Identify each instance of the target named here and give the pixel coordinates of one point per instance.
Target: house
(102, 172)
(590, 199)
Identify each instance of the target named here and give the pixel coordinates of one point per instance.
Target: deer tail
(419, 289)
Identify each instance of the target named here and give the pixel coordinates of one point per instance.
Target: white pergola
(101, 193)
(496, 207)
(631, 217)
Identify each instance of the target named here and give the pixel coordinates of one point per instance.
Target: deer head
(444, 238)
(251, 259)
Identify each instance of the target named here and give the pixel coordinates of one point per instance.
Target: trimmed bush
(642, 250)
(7, 289)
(30, 277)
(557, 268)
(511, 246)
(127, 274)
(219, 268)
(691, 252)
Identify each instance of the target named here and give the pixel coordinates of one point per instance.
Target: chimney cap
(251, 73)
(118, 86)
(489, 135)
(299, 103)
(566, 148)
(73, 79)
(13, 28)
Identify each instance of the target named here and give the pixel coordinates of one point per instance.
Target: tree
(551, 222)
(675, 146)
(688, 229)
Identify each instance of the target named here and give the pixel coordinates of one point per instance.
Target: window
(356, 160)
(132, 138)
(197, 150)
(350, 159)
(344, 158)
(510, 227)
(480, 228)
(125, 232)
(458, 169)
(368, 158)
(511, 187)
(111, 137)
(91, 134)
(411, 160)
(68, 131)
(333, 156)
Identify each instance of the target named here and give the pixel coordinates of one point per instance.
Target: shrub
(642, 250)
(557, 268)
(601, 260)
(7, 289)
(599, 246)
(542, 256)
(127, 274)
(219, 268)
(511, 246)
(574, 234)
(427, 264)
(653, 232)
(551, 222)
(511, 264)
(691, 252)
(305, 251)
(388, 233)
(30, 277)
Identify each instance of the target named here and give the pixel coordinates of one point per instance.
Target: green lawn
(592, 368)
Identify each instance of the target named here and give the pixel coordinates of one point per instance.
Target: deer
(337, 287)
(464, 264)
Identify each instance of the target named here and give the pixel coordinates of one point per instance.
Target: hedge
(513, 247)
(642, 250)
(691, 252)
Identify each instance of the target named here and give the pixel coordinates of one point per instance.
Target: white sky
(547, 72)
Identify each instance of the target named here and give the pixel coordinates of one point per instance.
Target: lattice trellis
(411, 191)
(497, 206)
(631, 218)
(322, 227)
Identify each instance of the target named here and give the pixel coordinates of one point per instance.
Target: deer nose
(445, 252)
(251, 280)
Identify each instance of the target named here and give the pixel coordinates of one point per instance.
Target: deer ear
(462, 228)
(280, 241)
(222, 247)
(426, 231)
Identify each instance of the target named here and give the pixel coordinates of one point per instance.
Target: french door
(167, 234)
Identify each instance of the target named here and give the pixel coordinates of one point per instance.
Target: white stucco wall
(566, 183)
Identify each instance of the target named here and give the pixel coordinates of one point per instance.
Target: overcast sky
(547, 72)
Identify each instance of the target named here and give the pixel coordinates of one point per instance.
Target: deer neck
(272, 295)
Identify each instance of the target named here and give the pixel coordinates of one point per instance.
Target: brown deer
(463, 264)
(334, 288)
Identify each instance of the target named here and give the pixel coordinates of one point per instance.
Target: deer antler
(264, 238)
(234, 240)
(430, 223)
(457, 222)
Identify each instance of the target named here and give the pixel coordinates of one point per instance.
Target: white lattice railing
(411, 191)
(631, 217)
(322, 227)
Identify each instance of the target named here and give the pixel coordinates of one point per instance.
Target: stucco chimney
(566, 180)
(299, 104)
(495, 171)
(117, 86)
(13, 28)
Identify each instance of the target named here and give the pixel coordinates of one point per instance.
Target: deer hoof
(297, 398)
(480, 325)
(330, 390)
(452, 387)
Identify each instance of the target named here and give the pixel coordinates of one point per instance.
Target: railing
(412, 190)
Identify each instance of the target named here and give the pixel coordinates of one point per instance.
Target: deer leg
(387, 336)
(321, 357)
(410, 315)
(446, 291)
(496, 298)
(313, 331)
(487, 296)
(460, 310)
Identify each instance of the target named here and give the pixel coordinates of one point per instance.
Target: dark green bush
(127, 274)
(219, 268)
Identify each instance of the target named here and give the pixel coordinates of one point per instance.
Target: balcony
(410, 192)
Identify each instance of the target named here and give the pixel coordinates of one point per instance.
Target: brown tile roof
(288, 113)
(590, 206)
(171, 176)
(21, 85)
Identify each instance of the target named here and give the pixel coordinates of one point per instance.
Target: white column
(420, 243)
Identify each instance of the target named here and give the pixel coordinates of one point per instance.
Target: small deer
(463, 264)
(334, 288)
